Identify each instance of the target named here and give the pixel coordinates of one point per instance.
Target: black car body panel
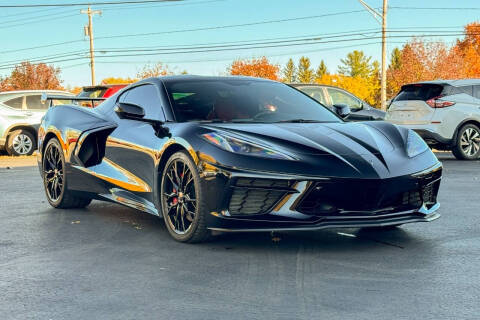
(341, 174)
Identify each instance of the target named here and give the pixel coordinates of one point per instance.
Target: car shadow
(322, 240)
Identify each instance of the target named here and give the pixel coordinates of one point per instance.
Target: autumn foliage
(114, 80)
(28, 76)
(256, 67)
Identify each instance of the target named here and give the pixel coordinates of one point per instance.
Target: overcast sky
(169, 25)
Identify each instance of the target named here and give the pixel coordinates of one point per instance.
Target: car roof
(31, 91)
(455, 83)
(6, 95)
(296, 85)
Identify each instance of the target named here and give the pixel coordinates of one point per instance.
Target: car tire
(467, 144)
(21, 143)
(181, 200)
(55, 179)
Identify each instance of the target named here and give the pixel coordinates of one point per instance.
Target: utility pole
(383, 92)
(89, 32)
(381, 18)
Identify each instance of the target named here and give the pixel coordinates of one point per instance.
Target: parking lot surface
(112, 262)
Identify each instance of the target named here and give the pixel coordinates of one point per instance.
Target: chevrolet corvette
(235, 154)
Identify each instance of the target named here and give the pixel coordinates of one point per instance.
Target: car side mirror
(129, 111)
(342, 110)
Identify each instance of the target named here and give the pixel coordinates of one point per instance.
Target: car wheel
(21, 143)
(467, 146)
(55, 179)
(181, 200)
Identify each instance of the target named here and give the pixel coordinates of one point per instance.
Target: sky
(313, 28)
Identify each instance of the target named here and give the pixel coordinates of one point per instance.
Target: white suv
(446, 113)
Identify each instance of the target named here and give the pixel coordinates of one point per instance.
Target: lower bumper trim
(421, 215)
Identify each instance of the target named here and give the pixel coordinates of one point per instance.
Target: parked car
(235, 154)
(20, 115)
(329, 96)
(446, 113)
(101, 91)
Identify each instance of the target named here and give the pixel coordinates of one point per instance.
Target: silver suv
(20, 115)
(446, 113)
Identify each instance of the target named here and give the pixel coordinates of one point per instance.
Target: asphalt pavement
(112, 262)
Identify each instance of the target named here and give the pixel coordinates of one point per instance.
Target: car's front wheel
(21, 143)
(55, 179)
(467, 146)
(181, 200)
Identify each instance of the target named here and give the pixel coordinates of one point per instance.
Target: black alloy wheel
(181, 200)
(55, 179)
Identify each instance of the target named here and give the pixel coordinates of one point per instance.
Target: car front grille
(369, 197)
(256, 196)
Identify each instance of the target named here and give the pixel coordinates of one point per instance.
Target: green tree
(356, 64)
(305, 72)
(321, 70)
(396, 59)
(290, 72)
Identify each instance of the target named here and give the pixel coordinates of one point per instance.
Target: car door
(132, 148)
(356, 105)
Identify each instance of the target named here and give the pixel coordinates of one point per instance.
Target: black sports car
(235, 154)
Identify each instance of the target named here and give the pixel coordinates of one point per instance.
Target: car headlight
(415, 144)
(237, 145)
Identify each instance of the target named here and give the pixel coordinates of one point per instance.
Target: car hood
(370, 149)
(321, 138)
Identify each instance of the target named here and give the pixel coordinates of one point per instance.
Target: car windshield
(239, 100)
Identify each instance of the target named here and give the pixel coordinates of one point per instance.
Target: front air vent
(262, 183)
(246, 201)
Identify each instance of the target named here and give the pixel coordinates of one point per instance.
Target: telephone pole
(89, 32)
(381, 18)
(383, 92)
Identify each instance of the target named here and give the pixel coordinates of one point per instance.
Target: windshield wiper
(298, 121)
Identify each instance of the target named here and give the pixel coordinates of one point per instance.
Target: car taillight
(435, 103)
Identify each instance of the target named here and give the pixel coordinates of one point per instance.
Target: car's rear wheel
(467, 146)
(181, 200)
(21, 143)
(55, 179)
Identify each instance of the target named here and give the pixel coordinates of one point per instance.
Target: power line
(435, 8)
(231, 25)
(235, 47)
(80, 4)
(243, 45)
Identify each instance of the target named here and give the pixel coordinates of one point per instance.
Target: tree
(155, 70)
(305, 72)
(356, 64)
(469, 50)
(290, 72)
(28, 76)
(255, 67)
(422, 61)
(113, 80)
(396, 59)
(321, 70)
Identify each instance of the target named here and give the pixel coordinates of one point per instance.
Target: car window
(340, 97)
(15, 103)
(145, 96)
(315, 92)
(476, 92)
(242, 100)
(419, 91)
(97, 93)
(34, 103)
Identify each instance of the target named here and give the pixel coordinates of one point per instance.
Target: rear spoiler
(48, 97)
